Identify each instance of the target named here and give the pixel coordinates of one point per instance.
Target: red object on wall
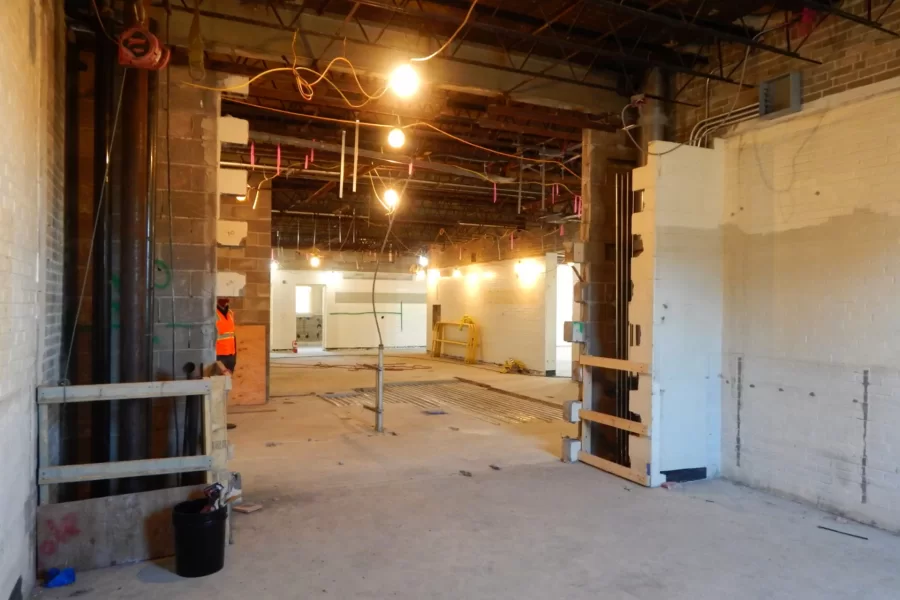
(140, 49)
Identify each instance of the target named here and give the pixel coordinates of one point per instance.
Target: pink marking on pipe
(306, 162)
(410, 168)
(562, 230)
(278, 159)
(495, 192)
(512, 240)
(312, 154)
(252, 154)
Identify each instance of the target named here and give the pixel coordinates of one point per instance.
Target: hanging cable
(306, 88)
(100, 21)
(452, 37)
(99, 204)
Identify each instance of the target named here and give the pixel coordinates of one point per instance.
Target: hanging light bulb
(315, 261)
(240, 198)
(457, 273)
(391, 199)
(404, 81)
(396, 138)
(423, 260)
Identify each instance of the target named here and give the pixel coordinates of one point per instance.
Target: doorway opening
(565, 282)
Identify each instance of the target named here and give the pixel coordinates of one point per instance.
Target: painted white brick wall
(812, 279)
(677, 303)
(30, 244)
(515, 315)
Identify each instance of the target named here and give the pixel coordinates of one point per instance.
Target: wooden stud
(614, 468)
(618, 364)
(126, 468)
(43, 449)
(121, 391)
(640, 429)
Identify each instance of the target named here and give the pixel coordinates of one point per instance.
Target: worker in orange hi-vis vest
(226, 343)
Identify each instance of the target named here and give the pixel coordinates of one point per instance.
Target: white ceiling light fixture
(315, 261)
(396, 138)
(423, 260)
(404, 81)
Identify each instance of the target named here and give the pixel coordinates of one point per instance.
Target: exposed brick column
(602, 154)
(185, 270)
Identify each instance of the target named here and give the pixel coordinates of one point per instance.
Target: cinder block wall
(852, 56)
(811, 273)
(677, 303)
(31, 229)
(254, 257)
(184, 327)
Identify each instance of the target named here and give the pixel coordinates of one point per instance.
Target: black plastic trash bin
(199, 538)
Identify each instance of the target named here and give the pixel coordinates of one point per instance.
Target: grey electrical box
(781, 96)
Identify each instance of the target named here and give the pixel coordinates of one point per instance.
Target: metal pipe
(150, 277)
(343, 152)
(379, 390)
(697, 132)
(101, 306)
(134, 414)
(68, 414)
(709, 128)
(355, 155)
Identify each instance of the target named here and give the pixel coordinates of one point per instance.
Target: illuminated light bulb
(391, 199)
(314, 261)
(240, 198)
(423, 261)
(434, 274)
(420, 275)
(396, 138)
(404, 81)
(571, 264)
(457, 273)
(273, 265)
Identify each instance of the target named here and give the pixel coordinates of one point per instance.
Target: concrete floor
(352, 514)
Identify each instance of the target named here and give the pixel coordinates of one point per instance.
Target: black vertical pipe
(152, 129)
(101, 305)
(68, 414)
(134, 414)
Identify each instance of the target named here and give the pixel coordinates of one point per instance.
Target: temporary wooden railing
(632, 427)
(215, 445)
(438, 340)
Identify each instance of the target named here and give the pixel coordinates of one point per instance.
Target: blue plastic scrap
(57, 578)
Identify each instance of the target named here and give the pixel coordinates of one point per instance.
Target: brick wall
(186, 267)
(811, 278)
(254, 257)
(30, 260)
(851, 54)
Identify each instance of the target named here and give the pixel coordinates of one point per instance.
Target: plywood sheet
(102, 532)
(249, 381)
